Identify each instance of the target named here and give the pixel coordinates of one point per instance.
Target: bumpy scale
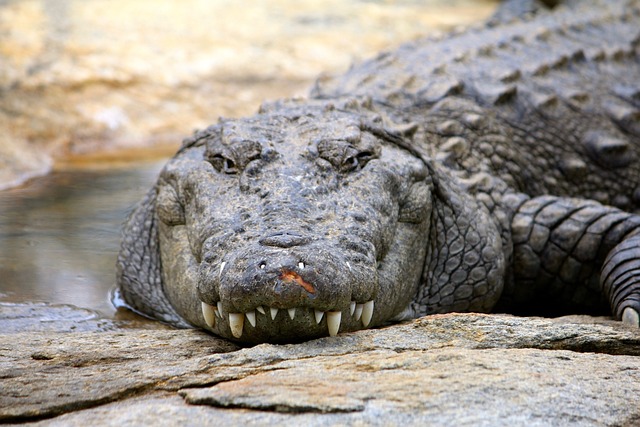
(493, 169)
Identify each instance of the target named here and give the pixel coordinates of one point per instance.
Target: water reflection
(59, 235)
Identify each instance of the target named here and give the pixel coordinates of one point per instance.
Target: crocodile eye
(346, 156)
(357, 161)
(223, 164)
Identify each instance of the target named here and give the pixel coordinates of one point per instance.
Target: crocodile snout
(302, 288)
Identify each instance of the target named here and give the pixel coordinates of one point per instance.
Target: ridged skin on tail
(561, 244)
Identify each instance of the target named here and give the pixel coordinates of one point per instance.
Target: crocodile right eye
(223, 164)
(356, 161)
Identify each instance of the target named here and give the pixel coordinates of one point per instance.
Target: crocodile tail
(560, 245)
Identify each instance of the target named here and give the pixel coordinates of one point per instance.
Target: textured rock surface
(445, 370)
(41, 317)
(77, 77)
(45, 372)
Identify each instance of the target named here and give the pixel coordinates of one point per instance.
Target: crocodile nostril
(284, 239)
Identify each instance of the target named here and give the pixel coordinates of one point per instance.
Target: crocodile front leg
(560, 246)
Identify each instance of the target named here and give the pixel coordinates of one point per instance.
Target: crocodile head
(292, 224)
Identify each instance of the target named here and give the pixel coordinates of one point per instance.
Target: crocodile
(491, 169)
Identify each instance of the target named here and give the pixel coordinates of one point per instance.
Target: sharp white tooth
(219, 311)
(222, 267)
(236, 322)
(274, 312)
(251, 317)
(352, 307)
(367, 313)
(292, 313)
(358, 313)
(301, 265)
(260, 309)
(209, 314)
(319, 315)
(333, 322)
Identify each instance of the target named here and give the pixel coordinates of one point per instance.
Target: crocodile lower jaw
(362, 312)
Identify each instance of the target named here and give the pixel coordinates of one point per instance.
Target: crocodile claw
(631, 317)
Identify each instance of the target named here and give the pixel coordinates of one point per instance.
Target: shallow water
(59, 235)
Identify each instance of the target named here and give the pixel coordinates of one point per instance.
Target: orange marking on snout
(292, 276)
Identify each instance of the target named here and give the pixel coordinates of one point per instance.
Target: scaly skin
(495, 169)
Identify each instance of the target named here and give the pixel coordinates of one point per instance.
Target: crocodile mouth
(280, 294)
(267, 317)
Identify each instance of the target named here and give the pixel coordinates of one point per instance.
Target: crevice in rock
(75, 406)
(280, 408)
(252, 371)
(612, 348)
(632, 421)
(160, 385)
(578, 344)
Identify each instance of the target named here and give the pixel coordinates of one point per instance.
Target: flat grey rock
(456, 369)
(42, 317)
(445, 387)
(45, 374)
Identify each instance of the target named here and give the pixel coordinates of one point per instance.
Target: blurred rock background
(87, 80)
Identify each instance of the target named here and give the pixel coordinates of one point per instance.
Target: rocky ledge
(455, 369)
